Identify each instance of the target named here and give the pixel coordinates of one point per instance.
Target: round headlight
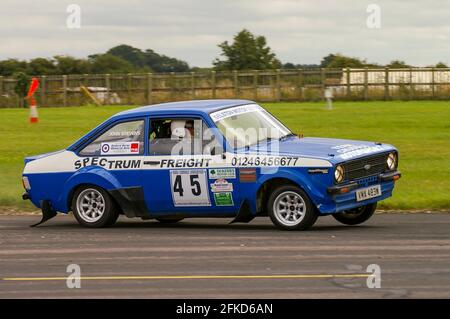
(339, 174)
(391, 161)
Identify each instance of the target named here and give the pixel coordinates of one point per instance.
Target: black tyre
(94, 207)
(168, 220)
(290, 208)
(356, 216)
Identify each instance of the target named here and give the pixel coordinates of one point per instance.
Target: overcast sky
(298, 31)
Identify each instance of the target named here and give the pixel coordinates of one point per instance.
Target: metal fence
(264, 86)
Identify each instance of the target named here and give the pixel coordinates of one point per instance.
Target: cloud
(298, 31)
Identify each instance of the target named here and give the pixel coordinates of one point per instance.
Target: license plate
(367, 193)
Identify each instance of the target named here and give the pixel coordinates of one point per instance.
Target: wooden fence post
(1, 85)
(193, 85)
(149, 88)
(213, 83)
(322, 81)
(300, 84)
(278, 84)
(64, 87)
(411, 85)
(255, 85)
(172, 86)
(349, 87)
(433, 84)
(108, 88)
(366, 83)
(236, 84)
(129, 88)
(386, 83)
(42, 89)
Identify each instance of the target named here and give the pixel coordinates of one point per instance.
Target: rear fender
(93, 175)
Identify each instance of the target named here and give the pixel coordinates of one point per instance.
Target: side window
(179, 136)
(126, 138)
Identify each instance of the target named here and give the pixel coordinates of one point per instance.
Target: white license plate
(367, 193)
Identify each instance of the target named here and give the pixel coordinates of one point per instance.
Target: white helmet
(178, 129)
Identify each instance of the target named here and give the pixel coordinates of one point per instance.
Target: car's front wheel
(357, 215)
(291, 209)
(94, 207)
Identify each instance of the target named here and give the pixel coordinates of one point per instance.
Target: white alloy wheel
(90, 205)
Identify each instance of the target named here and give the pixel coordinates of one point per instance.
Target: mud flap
(244, 215)
(47, 212)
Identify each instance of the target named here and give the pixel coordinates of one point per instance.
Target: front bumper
(348, 187)
(343, 197)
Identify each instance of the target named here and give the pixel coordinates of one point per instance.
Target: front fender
(314, 185)
(88, 175)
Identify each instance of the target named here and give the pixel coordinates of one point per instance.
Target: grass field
(419, 129)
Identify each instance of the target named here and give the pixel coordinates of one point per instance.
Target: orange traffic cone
(34, 118)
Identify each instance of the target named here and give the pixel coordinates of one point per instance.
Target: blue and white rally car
(211, 158)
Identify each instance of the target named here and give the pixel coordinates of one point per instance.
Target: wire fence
(263, 86)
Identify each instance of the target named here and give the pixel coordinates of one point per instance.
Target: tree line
(246, 52)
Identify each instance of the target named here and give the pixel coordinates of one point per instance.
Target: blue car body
(235, 180)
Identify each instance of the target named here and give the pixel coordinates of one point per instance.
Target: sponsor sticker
(120, 148)
(347, 151)
(189, 188)
(232, 111)
(247, 175)
(223, 199)
(226, 173)
(221, 185)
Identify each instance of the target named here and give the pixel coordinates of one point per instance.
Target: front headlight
(391, 161)
(339, 174)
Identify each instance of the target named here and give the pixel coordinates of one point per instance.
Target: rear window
(126, 138)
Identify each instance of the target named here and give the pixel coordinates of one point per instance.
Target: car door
(184, 171)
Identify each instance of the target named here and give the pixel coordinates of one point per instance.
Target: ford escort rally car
(209, 158)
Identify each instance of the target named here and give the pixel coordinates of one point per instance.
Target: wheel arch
(96, 177)
(267, 187)
(269, 184)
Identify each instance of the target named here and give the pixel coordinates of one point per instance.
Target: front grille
(355, 169)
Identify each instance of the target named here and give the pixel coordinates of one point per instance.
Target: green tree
(163, 63)
(441, 65)
(247, 52)
(339, 61)
(41, 66)
(108, 63)
(71, 65)
(11, 66)
(327, 60)
(133, 55)
(148, 60)
(397, 64)
(21, 87)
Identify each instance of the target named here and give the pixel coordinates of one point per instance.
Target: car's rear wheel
(94, 207)
(168, 220)
(357, 215)
(290, 208)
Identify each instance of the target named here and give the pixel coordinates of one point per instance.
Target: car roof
(187, 107)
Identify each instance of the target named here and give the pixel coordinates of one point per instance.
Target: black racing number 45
(195, 185)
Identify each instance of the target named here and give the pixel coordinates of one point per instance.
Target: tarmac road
(207, 258)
